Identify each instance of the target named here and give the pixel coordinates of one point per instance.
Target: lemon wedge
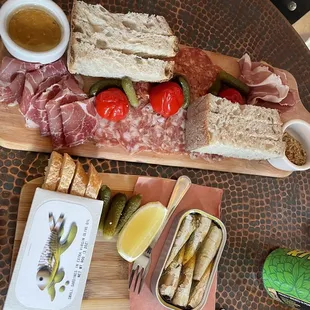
(140, 230)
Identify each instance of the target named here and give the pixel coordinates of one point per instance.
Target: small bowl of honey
(34, 30)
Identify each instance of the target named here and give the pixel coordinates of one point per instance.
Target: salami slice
(198, 69)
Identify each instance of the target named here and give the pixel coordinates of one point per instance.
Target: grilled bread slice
(79, 182)
(52, 171)
(66, 174)
(94, 183)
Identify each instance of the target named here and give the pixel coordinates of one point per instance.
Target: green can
(286, 277)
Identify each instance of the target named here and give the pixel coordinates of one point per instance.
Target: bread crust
(52, 172)
(80, 181)
(94, 183)
(66, 174)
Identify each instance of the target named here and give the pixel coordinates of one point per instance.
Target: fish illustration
(48, 273)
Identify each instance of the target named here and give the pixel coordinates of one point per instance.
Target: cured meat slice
(11, 66)
(107, 133)
(144, 130)
(143, 92)
(47, 90)
(197, 68)
(39, 80)
(267, 84)
(12, 79)
(79, 120)
(70, 86)
(53, 125)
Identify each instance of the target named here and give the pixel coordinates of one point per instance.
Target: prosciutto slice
(69, 94)
(38, 81)
(12, 79)
(79, 121)
(266, 83)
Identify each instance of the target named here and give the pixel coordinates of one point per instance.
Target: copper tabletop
(260, 213)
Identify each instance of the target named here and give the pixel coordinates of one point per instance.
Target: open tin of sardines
(185, 270)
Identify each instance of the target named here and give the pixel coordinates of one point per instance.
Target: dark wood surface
(260, 213)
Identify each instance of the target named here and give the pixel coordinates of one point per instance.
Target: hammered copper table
(260, 213)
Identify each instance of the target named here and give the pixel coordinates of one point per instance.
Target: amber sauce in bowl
(34, 29)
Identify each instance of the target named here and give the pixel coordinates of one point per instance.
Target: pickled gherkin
(117, 206)
(105, 196)
(131, 207)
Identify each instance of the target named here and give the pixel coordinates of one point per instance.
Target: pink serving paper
(198, 197)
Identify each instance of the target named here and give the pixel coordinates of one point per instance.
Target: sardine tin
(166, 252)
(55, 253)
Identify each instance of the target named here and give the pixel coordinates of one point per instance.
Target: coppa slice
(33, 83)
(12, 79)
(53, 125)
(79, 120)
(139, 232)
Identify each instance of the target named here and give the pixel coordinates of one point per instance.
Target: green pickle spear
(130, 92)
(132, 206)
(104, 84)
(117, 206)
(104, 195)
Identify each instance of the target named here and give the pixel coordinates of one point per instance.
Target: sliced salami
(198, 69)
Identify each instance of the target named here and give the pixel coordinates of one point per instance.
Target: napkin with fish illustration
(198, 197)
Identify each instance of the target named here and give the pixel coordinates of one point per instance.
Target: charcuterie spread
(150, 93)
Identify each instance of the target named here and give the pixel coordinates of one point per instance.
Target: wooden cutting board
(107, 283)
(14, 135)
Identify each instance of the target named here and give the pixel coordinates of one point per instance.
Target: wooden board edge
(268, 171)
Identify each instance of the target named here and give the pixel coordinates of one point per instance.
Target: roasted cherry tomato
(166, 98)
(112, 104)
(232, 95)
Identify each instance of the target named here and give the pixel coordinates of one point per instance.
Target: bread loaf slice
(110, 45)
(99, 16)
(80, 181)
(94, 183)
(66, 174)
(52, 172)
(106, 35)
(86, 59)
(217, 126)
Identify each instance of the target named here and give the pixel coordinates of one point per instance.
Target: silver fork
(142, 264)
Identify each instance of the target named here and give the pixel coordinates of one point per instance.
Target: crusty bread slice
(52, 171)
(80, 181)
(99, 16)
(217, 126)
(94, 183)
(87, 59)
(66, 174)
(127, 41)
(110, 45)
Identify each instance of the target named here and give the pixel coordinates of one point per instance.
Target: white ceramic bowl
(299, 130)
(18, 52)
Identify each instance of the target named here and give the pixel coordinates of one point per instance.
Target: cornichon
(105, 196)
(131, 207)
(230, 80)
(186, 90)
(117, 206)
(104, 84)
(181, 80)
(130, 92)
(216, 87)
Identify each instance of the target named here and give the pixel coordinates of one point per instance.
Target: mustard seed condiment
(294, 150)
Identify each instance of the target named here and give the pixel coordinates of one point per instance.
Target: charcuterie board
(14, 135)
(107, 288)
